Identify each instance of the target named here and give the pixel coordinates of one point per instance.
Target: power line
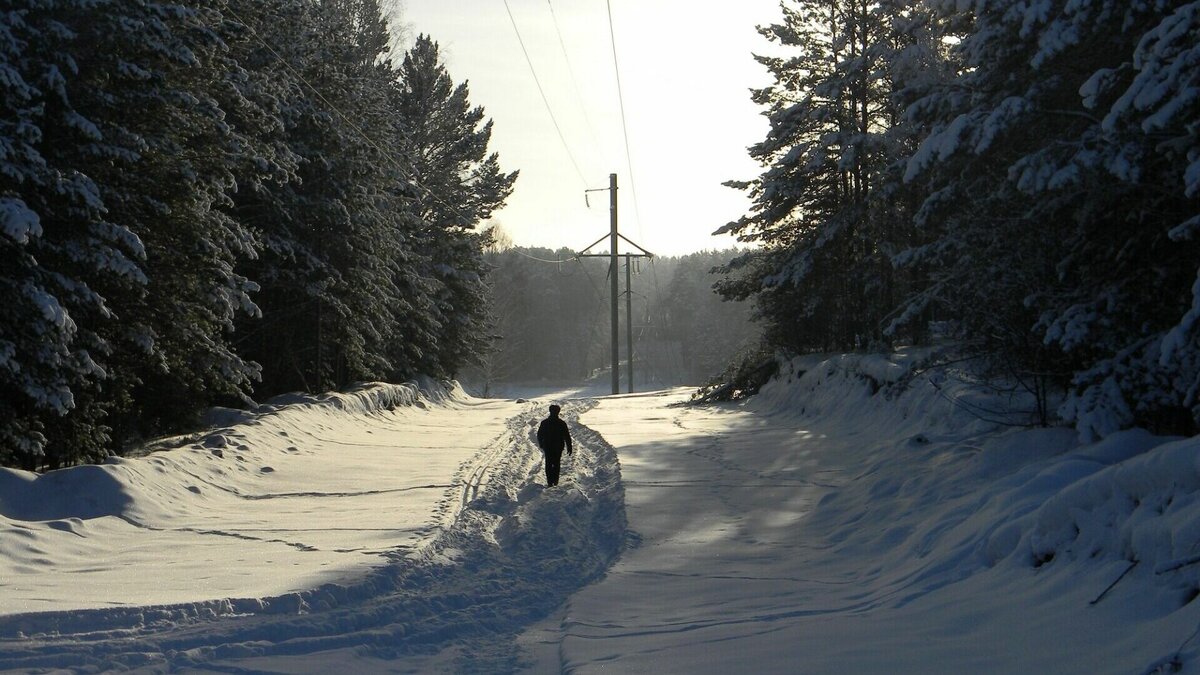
(541, 91)
(544, 260)
(624, 126)
(574, 81)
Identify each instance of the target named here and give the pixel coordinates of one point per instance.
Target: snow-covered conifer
(1061, 197)
(822, 278)
(339, 259)
(459, 184)
(64, 256)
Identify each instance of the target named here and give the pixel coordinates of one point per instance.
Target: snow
(1175, 340)
(264, 507)
(1000, 120)
(852, 517)
(17, 221)
(938, 146)
(778, 535)
(1191, 179)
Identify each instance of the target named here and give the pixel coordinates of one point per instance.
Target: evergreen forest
(550, 320)
(211, 202)
(1018, 179)
(208, 199)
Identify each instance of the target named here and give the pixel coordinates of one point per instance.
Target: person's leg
(553, 460)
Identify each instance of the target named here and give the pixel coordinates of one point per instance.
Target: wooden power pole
(612, 275)
(614, 287)
(629, 317)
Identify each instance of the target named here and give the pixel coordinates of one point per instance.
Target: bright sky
(686, 70)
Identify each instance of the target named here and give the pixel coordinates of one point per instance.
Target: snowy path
(829, 525)
(715, 506)
(823, 529)
(489, 555)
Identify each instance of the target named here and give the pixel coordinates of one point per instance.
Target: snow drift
(486, 548)
(1104, 535)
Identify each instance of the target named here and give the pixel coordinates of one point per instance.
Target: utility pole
(614, 287)
(612, 275)
(629, 317)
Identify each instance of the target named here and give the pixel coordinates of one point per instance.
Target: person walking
(552, 436)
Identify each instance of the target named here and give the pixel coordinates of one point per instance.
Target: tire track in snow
(508, 551)
(480, 466)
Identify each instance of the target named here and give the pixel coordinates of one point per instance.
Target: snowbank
(935, 495)
(466, 545)
(1036, 493)
(265, 502)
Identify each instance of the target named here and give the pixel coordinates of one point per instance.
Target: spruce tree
(459, 184)
(119, 240)
(1059, 200)
(63, 259)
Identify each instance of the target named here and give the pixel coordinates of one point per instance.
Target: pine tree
(822, 278)
(338, 266)
(459, 185)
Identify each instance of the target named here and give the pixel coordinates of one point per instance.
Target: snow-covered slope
(265, 503)
(936, 481)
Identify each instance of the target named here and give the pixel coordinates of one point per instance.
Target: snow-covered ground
(824, 529)
(840, 522)
(267, 504)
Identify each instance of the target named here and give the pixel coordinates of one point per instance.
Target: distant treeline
(1023, 175)
(552, 322)
(204, 200)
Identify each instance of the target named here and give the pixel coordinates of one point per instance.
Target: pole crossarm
(589, 246)
(645, 253)
(583, 253)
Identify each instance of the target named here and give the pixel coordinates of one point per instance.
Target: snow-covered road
(714, 497)
(834, 524)
(828, 527)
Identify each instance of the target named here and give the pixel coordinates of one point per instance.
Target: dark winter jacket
(553, 434)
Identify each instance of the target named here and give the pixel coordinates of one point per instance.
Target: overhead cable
(542, 91)
(562, 43)
(624, 126)
(545, 260)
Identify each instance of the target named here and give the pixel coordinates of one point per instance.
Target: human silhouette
(552, 436)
